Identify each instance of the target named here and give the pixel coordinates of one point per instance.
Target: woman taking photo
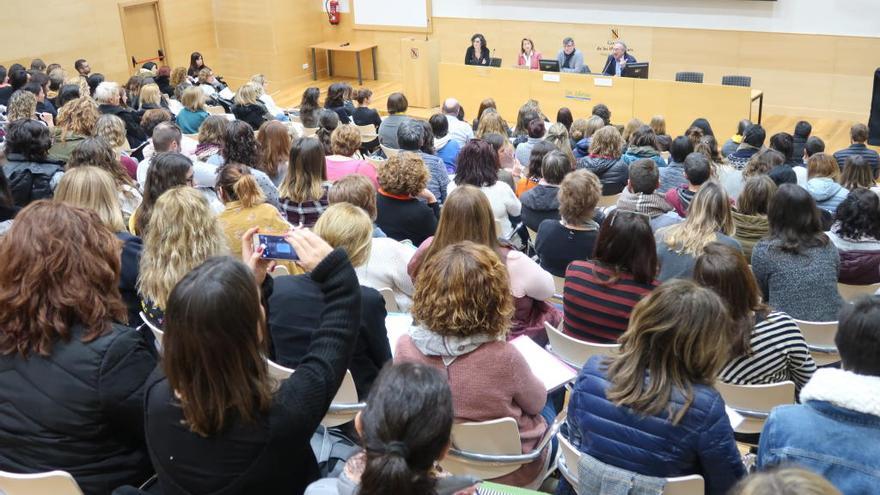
(768, 346)
(304, 190)
(213, 421)
(856, 234)
(454, 333)
(797, 266)
(62, 351)
(651, 409)
(478, 52)
(529, 57)
(468, 217)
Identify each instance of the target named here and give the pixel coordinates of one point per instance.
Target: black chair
(691, 77)
(745, 81)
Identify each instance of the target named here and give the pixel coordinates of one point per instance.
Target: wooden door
(142, 31)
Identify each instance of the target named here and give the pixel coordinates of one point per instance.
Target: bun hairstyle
(238, 184)
(401, 446)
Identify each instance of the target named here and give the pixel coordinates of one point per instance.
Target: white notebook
(547, 367)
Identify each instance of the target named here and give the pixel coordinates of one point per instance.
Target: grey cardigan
(681, 265)
(577, 62)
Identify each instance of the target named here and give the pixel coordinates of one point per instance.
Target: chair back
(754, 402)
(389, 152)
(850, 293)
(391, 305)
(48, 483)
(745, 81)
(368, 133)
(606, 201)
(820, 340)
(575, 352)
(495, 437)
(344, 406)
(559, 287)
(215, 110)
(157, 332)
(310, 131)
(691, 77)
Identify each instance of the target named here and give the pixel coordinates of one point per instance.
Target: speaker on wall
(874, 120)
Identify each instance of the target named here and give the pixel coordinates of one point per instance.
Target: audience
(212, 137)
(168, 170)
(558, 136)
(273, 141)
(397, 106)
(570, 235)
(672, 176)
(858, 137)
(802, 131)
(345, 142)
(640, 195)
(511, 170)
(335, 102)
(76, 121)
(814, 145)
(240, 146)
(783, 143)
(411, 137)
(458, 129)
(444, 146)
(582, 132)
(601, 292)
(836, 404)
(478, 166)
(856, 234)
(31, 173)
(730, 146)
(112, 129)
(605, 160)
(823, 173)
(710, 220)
(750, 214)
(768, 346)
(97, 152)
(364, 115)
(106, 94)
(643, 144)
(194, 112)
(797, 266)
(455, 334)
(534, 164)
(249, 108)
(752, 142)
(406, 209)
(697, 171)
(309, 107)
(8, 210)
(74, 379)
(651, 409)
(856, 174)
(536, 133)
(304, 190)
(541, 202)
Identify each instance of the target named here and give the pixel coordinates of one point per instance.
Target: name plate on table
(551, 77)
(605, 82)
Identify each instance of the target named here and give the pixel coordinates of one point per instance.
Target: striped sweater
(595, 311)
(779, 353)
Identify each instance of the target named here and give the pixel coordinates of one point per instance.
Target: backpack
(332, 448)
(31, 182)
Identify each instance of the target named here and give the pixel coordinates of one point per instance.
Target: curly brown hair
(579, 193)
(464, 290)
(345, 140)
(79, 116)
(48, 285)
(403, 174)
(607, 142)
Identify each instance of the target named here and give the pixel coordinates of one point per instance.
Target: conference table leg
(330, 63)
(375, 70)
(314, 66)
(760, 106)
(357, 57)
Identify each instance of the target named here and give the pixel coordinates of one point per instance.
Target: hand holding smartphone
(274, 247)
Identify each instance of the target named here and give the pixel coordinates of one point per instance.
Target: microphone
(607, 63)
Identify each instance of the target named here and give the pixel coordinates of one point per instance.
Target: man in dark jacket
(859, 136)
(109, 102)
(753, 141)
(802, 131)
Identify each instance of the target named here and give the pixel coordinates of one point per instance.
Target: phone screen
(275, 247)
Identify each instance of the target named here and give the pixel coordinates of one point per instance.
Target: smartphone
(275, 247)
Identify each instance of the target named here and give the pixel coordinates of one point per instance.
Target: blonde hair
(178, 76)
(80, 81)
(259, 79)
(631, 127)
(607, 142)
(247, 95)
(22, 105)
(238, 184)
(557, 135)
(708, 214)
(79, 116)
(658, 124)
(491, 123)
(345, 140)
(112, 129)
(578, 129)
(92, 188)
(182, 233)
(823, 165)
(346, 226)
(193, 99)
(785, 481)
(150, 94)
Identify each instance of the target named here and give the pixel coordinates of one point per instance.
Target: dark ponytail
(405, 429)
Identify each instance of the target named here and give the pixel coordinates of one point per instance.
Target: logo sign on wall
(614, 35)
(414, 53)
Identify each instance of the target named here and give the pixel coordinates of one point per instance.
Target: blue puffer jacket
(701, 443)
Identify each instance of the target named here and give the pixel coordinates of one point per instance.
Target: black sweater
(271, 455)
(406, 218)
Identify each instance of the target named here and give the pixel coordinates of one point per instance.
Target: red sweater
(492, 382)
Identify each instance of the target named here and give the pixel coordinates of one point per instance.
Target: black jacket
(613, 173)
(253, 114)
(406, 218)
(164, 83)
(343, 113)
(30, 181)
(80, 410)
(131, 258)
(470, 59)
(295, 313)
(133, 131)
(538, 204)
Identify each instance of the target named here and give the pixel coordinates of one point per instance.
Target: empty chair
(345, 405)
(754, 402)
(491, 449)
(48, 483)
(850, 293)
(389, 152)
(736, 81)
(570, 457)
(390, 303)
(573, 351)
(691, 77)
(820, 340)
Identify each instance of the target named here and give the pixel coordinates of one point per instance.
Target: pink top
(492, 382)
(535, 62)
(337, 169)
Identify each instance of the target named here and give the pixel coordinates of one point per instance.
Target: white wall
(836, 17)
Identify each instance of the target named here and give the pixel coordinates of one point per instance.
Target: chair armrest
(518, 458)
(822, 349)
(346, 408)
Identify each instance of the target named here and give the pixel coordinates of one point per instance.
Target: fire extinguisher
(332, 7)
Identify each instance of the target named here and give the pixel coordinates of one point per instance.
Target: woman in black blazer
(478, 52)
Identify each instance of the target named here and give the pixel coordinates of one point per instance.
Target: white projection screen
(393, 15)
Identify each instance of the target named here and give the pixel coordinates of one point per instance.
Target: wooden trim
(160, 19)
(429, 15)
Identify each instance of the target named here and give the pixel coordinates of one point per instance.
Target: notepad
(397, 325)
(227, 94)
(547, 367)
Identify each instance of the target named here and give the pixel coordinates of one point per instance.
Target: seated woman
(364, 115)
(454, 333)
(529, 57)
(167, 171)
(27, 156)
(112, 129)
(769, 347)
(532, 175)
(403, 395)
(309, 107)
(242, 431)
(73, 380)
(212, 135)
(335, 101)
(601, 292)
(857, 173)
(249, 108)
(240, 146)
(478, 52)
(328, 121)
(468, 217)
(406, 209)
(643, 144)
(836, 404)
(296, 302)
(581, 133)
(193, 112)
(542, 202)
(76, 121)
(856, 234)
(397, 105)
(345, 142)
(182, 233)
(750, 213)
(386, 266)
(304, 190)
(273, 141)
(536, 131)
(823, 173)
(97, 152)
(797, 265)
(573, 235)
(785, 481)
(478, 165)
(651, 409)
(444, 146)
(709, 220)
(605, 160)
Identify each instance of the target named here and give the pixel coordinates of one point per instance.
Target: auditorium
(440, 247)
